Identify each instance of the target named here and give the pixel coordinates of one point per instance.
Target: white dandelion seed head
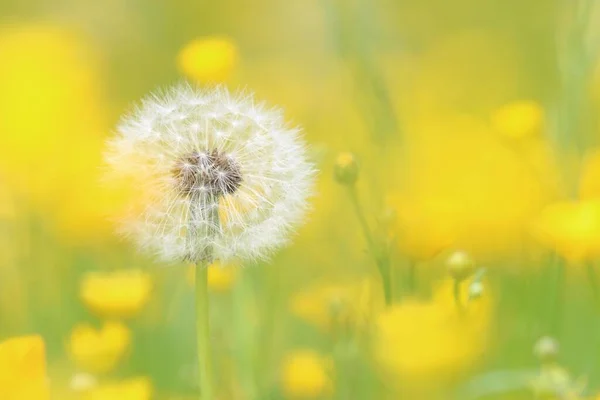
(220, 175)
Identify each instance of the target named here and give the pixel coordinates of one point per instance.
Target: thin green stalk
(203, 331)
(456, 292)
(381, 258)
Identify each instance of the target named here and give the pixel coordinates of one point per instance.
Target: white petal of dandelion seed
(212, 171)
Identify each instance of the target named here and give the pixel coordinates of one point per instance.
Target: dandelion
(98, 351)
(119, 294)
(23, 369)
(219, 176)
(306, 374)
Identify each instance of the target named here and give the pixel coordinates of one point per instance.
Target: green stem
(381, 258)
(203, 331)
(456, 293)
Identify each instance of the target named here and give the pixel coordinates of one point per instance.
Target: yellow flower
(210, 59)
(47, 108)
(129, 389)
(99, 351)
(118, 294)
(23, 369)
(333, 306)
(572, 229)
(420, 229)
(220, 277)
(52, 123)
(460, 187)
(519, 119)
(306, 374)
(589, 183)
(419, 339)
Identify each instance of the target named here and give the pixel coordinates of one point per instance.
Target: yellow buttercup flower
(47, 109)
(306, 374)
(220, 277)
(128, 389)
(419, 339)
(519, 119)
(589, 182)
(572, 229)
(99, 350)
(52, 123)
(210, 59)
(333, 306)
(118, 294)
(23, 369)
(459, 186)
(420, 229)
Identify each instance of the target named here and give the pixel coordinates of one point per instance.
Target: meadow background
(472, 126)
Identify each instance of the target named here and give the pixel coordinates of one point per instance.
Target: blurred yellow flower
(23, 369)
(7, 204)
(306, 374)
(128, 389)
(572, 229)
(420, 229)
(209, 59)
(339, 306)
(519, 119)
(589, 182)
(460, 186)
(52, 123)
(47, 108)
(419, 339)
(99, 350)
(220, 277)
(117, 294)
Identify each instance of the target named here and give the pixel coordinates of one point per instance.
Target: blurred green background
(474, 128)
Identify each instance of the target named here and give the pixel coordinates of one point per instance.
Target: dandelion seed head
(193, 154)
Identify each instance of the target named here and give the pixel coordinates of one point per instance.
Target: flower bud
(346, 169)
(546, 349)
(476, 290)
(460, 265)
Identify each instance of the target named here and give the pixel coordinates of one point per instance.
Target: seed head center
(210, 172)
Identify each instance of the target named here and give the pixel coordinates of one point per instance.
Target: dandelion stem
(381, 257)
(203, 331)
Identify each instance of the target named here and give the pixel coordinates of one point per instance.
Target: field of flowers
(312, 199)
